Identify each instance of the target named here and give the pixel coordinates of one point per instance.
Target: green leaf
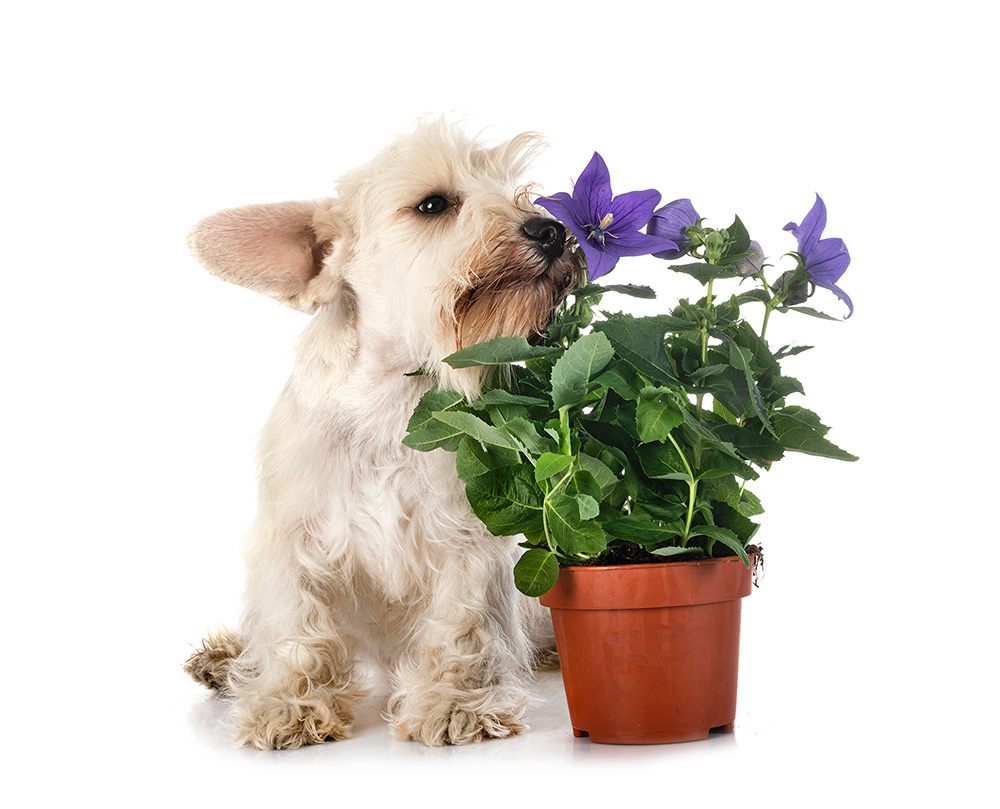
(644, 532)
(507, 500)
(801, 430)
(698, 432)
(632, 290)
(724, 536)
(526, 434)
(703, 272)
(536, 572)
(784, 386)
(500, 414)
(604, 477)
(739, 242)
(728, 517)
(657, 413)
(707, 371)
(622, 379)
(572, 373)
(550, 464)
(730, 388)
(763, 360)
(670, 512)
(573, 535)
(749, 504)
(431, 402)
(498, 396)
(661, 462)
(740, 358)
(585, 484)
(587, 505)
(425, 431)
(789, 351)
(736, 496)
(723, 412)
(470, 424)
(805, 310)
(639, 341)
(754, 296)
(471, 460)
(717, 465)
(675, 550)
(758, 447)
(499, 351)
(612, 436)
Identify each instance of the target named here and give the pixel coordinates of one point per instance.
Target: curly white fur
(358, 539)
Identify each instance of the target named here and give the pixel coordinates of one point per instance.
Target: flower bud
(751, 265)
(796, 288)
(671, 222)
(715, 246)
(695, 235)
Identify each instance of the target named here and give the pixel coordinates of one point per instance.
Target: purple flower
(824, 259)
(607, 227)
(671, 222)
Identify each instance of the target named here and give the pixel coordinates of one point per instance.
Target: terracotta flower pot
(650, 653)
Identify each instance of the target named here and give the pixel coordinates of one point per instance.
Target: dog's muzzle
(548, 236)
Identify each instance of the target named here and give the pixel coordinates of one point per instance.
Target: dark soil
(628, 553)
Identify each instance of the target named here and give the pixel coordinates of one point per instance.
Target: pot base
(674, 736)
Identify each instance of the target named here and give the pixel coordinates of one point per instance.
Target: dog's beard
(515, 291)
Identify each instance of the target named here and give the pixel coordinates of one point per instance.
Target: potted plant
(621, 448)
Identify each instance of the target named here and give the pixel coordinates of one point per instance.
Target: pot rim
(650, 585)
(641, 565)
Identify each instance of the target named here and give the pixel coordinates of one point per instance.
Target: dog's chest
(390, 510)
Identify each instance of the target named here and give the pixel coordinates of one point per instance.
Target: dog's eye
(433, 205)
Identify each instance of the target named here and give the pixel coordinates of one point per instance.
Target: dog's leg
(209, 665)
(465, 679)
(295, 681)
(537, 624)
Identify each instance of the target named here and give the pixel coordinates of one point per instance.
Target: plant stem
(564, 439)
(545, 511)
(768, 305)
(692, 491)
(704, 342)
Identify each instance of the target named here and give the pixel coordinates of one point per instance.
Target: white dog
(360, 541)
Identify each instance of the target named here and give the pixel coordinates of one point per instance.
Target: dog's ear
(288, 250)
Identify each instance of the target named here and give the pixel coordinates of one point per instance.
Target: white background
(135, 383)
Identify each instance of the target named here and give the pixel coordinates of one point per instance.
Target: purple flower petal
(838, 292)
(670, 255)
(828, 260)
(592, 191)
(599, 262)
(670, 222)
(639, 244)
(633, 210)
(562, 207)
(809, 232)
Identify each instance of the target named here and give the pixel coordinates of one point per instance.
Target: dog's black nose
(548, 234)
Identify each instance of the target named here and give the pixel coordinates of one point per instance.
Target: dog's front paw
(271, 723)
(437, 722)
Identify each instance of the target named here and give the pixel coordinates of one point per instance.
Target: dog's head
(430, 247)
